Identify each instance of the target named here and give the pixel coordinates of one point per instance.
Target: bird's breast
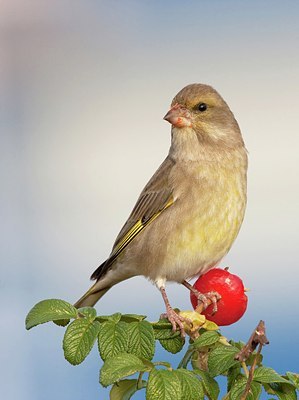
(199, 229)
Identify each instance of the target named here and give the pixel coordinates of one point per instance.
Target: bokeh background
(84, 86)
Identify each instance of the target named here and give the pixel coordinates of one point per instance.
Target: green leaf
(221, 359)
(210, 326)
(141, 340)
(50, 310)
(211, 387)
(112, 338)
(232, 374)
(124, 390)
(173, 345)
(79, 339)
(88, 312)
(165, 334)
(114, 317)
(163, 330)
(239, 345)
(199, 360)
(268, 375)
(254, 358)
(282, 390)
(132, 317)
(206, 339)
(163, 385)
(191, 386)
(294, 378)
(238, 389)
(120, 366)
(62, 322)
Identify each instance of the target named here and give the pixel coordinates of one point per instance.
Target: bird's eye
(202, 107)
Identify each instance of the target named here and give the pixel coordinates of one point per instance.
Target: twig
(258, 338)
(251, 372)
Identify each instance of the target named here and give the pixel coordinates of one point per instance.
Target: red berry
(233, 302)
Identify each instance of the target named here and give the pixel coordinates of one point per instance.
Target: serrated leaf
(173, 345)
(221, 359)
(238, 389)
(163, 385)
(211, 387)
(268, 375)
(206, 339)
(163, 323)
(112, 338)
(165, 334)
(141, 340)
(191, 386)
(79, 338)
(163, 330)
(132, 317)
(283, 391)
(50, 310)
(88, 312)
(120, 366)
(124, 390)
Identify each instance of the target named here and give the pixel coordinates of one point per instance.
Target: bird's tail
(90, 298)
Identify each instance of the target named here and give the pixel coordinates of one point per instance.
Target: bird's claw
(176, 320)
(208, 298)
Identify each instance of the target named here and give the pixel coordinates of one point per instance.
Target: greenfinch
(190, 212)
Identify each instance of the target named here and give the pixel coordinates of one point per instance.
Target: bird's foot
(205, 299)
(176, 320)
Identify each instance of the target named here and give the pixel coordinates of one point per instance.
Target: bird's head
(202, 109)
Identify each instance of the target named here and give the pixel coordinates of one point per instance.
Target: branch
(251, 372)
(258, 338)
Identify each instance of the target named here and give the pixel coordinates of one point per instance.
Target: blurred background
(84, 87)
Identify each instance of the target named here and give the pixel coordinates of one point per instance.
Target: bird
(191, 210)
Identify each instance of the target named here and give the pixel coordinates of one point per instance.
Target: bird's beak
(178, 116)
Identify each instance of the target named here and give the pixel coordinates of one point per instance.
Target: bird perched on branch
(190, 212)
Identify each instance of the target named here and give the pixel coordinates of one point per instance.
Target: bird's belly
(200, 237)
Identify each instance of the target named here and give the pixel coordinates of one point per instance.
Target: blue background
(84, 88)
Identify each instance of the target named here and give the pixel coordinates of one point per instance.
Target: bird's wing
(155, 198)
